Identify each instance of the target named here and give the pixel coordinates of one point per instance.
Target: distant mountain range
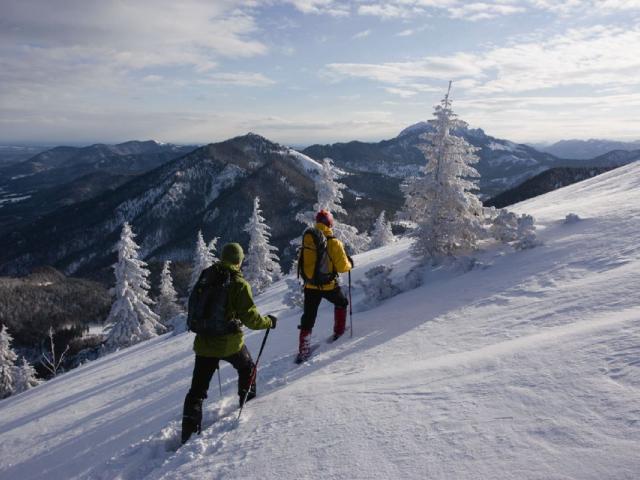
(16, 153)
(503, 164)
(211, 188)
(586, 149)
(65, 175)
(79, 198)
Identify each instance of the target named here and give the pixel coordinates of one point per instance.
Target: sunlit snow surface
(526, 367)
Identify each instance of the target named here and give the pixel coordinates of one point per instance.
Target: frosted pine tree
(330, 198)
(442, 201)
(261, 267)
(131, 317)
(203, 258)
(329, 189)
(382, 234)
(7, 363)
(167, 302)
(25, 377)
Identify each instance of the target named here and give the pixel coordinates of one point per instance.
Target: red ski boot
(339, 322)
(304, 349)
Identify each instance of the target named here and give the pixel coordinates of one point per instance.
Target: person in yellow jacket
(321, 280)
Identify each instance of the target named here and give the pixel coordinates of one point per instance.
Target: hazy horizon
(315, 71)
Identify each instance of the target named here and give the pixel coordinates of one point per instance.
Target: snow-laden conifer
(261, 267)
(7, 363)
(167, 302)
(329, 192)
(203, 257)
(442, 201)
(329, 189)
(131, 317)
(382, 234)
(25, 377)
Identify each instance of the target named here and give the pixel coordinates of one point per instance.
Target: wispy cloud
(89, 52)
(406, 33)
(460, 65)
(595, 56)
(321, 7)
(363, 34)
(487, 10)
(460, 9)
(245, 79)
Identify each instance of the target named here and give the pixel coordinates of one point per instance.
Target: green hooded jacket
(239, 305)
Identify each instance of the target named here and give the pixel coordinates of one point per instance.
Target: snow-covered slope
(526, 366)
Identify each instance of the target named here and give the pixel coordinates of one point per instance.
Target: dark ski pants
(312, 299)
(202, 373)
(205, 367)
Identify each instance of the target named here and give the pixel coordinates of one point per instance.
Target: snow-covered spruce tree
(382, 234)
(7, 363)
(330, 198)
(261, 267)
(131, 317)
(203, 257)
(25, 377)
(442, 201)
(377, 285)
(167, 301)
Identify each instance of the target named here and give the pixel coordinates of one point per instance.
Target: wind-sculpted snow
(522, 365)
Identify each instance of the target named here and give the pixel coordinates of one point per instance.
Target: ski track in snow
(525, 367)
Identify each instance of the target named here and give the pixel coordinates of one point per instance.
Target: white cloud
(406, 33)
(363, 34)
(487, 10)
(245, 79)
(135, 34)
(97, 53)
(327, 7)
(596, 56)
(460, 9)
(484, 11)
(407, 79)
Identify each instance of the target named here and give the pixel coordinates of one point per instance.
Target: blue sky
(307, 71)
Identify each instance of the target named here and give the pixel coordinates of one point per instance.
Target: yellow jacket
(338, 260)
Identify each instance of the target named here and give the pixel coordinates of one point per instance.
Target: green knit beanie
(232, 253)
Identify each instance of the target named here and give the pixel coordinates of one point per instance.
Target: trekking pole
(252, 378)
(350, 308)
(219, 381)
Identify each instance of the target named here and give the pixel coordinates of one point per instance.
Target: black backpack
(208, 302)
(321, 273)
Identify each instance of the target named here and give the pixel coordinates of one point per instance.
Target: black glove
(274, 320)
(351, 260)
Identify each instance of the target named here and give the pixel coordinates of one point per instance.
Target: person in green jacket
(229, 347)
